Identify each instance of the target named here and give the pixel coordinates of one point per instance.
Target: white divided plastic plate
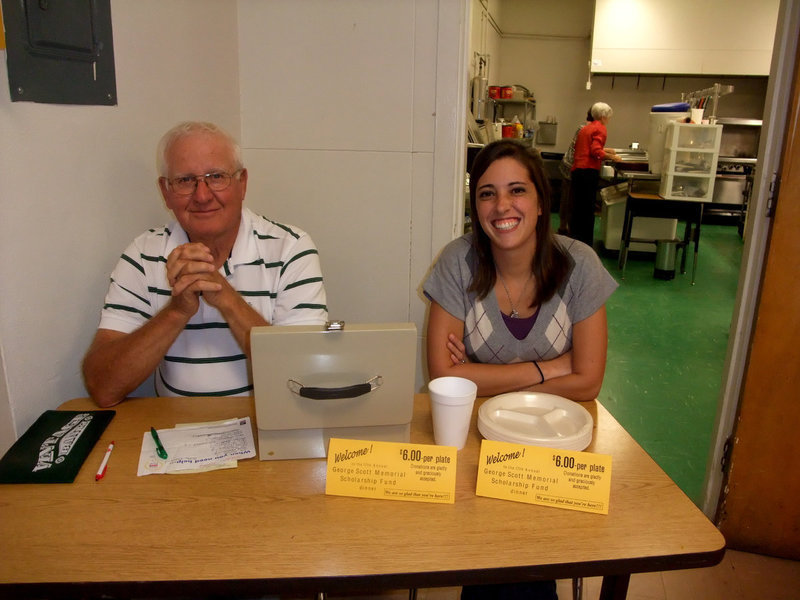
(536, 419)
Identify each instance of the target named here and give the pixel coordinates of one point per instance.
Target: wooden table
(268, 527)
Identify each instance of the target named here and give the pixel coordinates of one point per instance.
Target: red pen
(104, 465)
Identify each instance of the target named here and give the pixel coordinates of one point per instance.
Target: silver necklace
(514, 311)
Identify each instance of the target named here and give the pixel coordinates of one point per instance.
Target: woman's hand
(457, 350)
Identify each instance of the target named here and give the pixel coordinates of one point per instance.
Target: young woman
(514, 306)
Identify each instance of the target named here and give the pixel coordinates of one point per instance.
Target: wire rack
(710, 95)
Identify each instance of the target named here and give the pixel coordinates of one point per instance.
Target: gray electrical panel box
(59, 51)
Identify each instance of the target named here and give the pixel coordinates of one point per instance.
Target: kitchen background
(546, 46)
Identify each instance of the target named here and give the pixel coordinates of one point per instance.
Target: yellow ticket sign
(547, 476)
(391, 471)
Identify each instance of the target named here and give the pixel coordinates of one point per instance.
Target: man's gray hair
(188, 128)
(601, 110)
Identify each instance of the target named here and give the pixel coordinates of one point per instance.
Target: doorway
(752, 254)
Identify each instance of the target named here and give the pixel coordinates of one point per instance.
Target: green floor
(666, 353)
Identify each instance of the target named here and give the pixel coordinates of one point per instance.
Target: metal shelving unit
(525, 109)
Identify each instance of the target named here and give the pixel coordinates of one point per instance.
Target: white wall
(732, 37)
(331, 150)
(77, 183)
(351, 117)
(7, 429)
(484, 38)
(338, 137)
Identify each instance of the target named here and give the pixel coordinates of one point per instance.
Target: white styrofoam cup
(452, 399)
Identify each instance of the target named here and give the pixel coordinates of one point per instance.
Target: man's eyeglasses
(187, 184)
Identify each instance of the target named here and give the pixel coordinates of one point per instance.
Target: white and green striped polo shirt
(274, 267)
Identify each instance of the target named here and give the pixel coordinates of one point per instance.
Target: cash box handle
(335, 393)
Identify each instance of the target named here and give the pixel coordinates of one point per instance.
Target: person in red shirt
(590, 152)
(565, 168)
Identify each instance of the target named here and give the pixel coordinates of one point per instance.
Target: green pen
(159, 446)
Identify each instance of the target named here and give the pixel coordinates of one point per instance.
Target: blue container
(671, 107)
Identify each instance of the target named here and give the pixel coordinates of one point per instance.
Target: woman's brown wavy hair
(550, 264)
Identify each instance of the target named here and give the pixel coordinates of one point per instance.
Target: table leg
(627, 225)
(615, 587)
(577, 588)
(697, 240)
(687, 239)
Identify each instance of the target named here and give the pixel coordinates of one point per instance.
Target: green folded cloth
(54, 447)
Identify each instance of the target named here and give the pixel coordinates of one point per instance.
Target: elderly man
(183, 297)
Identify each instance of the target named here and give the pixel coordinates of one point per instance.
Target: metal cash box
(315, 382)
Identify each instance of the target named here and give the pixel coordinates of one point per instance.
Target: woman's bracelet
(538, 368)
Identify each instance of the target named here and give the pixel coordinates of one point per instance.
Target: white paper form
(198, 447)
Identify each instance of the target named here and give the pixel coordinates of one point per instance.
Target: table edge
(365, 582)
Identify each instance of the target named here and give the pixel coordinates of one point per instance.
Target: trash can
(665, 259)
